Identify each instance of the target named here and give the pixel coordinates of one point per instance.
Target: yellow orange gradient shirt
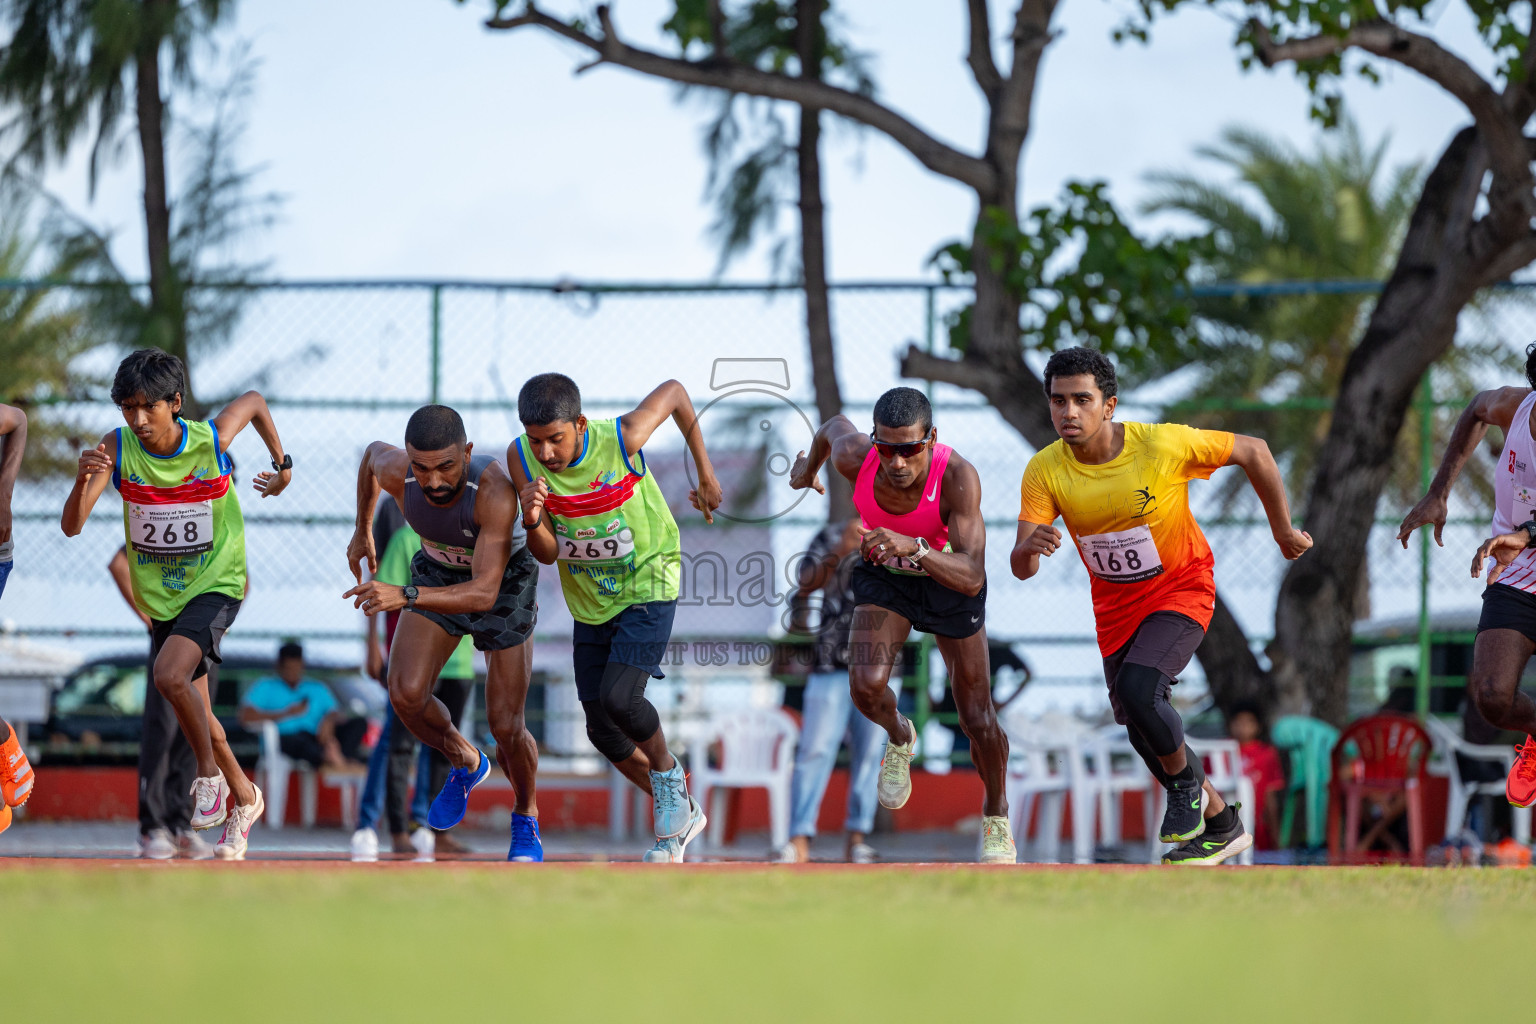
(1131, 522)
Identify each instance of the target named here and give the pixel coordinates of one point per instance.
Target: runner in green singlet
(591, 505)
(186, 555)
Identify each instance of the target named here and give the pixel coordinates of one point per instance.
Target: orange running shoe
(5, 817)
(16, 776)
(1521, 787)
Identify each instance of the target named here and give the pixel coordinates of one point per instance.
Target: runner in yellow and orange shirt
(1121, 489)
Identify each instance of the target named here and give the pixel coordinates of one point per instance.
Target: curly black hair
(1072, 362)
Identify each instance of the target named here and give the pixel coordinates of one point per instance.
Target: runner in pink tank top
(1506, 631)
(923, 547)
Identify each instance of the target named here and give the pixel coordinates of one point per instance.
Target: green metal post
(1426, 441)
(930, 311)
(922, 708)
(437, 342)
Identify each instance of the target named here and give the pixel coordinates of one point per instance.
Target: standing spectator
(167, 767)
(389, 769)
(311, 727)
(828, 711)
(1262, 765)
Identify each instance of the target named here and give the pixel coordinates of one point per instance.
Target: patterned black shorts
(508, 622)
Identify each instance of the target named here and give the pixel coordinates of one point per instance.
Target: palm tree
(756, 169)
(69, 69)
(41, 333)
(1335, 214)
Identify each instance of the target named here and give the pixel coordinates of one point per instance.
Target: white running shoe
(193, 846)
(424, 841)
(157, 844)
(671, 849)
(237, 829)
(895, 785)
(208, 799)
(863, 853)
(365, 846)
(997, 842)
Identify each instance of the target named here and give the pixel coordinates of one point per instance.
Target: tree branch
(980, 55)
(1501, 132)
(937, 156)
(1010, 115)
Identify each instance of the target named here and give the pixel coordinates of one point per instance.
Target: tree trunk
(1414, 322)
(813, 251)
(165, 326)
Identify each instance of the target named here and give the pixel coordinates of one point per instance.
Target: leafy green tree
(69, 70)
(1471, 227)
(1337, 213)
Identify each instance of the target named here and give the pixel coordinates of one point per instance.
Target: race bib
(611, 541)
(1525, 505)
(1128, 556)
(451, 555)
(181, 529)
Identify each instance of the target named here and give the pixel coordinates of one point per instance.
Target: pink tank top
(923, 521)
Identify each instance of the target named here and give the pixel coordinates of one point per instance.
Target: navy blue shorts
(637, 636)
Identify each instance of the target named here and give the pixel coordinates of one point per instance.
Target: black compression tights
(623, 697)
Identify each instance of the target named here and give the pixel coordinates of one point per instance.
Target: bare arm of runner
(383, 467)
(91, 478)
(542, 541)
(671, 401)
(1253, 455)
(118, 567)
(13, 427)
(838, 439)
(1494, 408)
(250, 409)
(1032, 541)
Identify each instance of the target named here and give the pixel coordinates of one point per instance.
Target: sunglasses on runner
(907, 450)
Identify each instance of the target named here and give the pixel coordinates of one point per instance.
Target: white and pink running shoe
(237, 829)
(208, 799)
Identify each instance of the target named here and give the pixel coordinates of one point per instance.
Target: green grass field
(334, 942)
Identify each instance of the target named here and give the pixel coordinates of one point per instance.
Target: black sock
(1222, 820)
(1187, 775)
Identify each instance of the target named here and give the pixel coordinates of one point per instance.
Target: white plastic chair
(1045, 765)
(1116, 769)
(1223, 761)
(757, 750)
(1460, 791)
(273, 770)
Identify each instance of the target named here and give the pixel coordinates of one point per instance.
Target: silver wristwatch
(922, 549)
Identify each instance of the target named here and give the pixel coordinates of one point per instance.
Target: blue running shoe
(526, 848)
(448, 806)
(669, 791)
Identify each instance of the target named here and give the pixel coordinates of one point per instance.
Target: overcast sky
(411, 142)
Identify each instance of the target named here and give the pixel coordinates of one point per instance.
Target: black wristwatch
(286, 464)
(1529, 526)
(410, 596)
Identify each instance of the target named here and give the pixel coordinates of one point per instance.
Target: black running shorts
(204, 621)
(930, 606)
(1508, 608)
(506, 623)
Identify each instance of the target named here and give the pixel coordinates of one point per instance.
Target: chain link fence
(344, 363)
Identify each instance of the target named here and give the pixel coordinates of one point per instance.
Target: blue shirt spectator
(309, 699)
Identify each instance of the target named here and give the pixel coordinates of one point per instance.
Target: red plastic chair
(1381, 757)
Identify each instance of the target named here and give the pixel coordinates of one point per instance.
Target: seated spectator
(1262, 765)
(311, 726)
